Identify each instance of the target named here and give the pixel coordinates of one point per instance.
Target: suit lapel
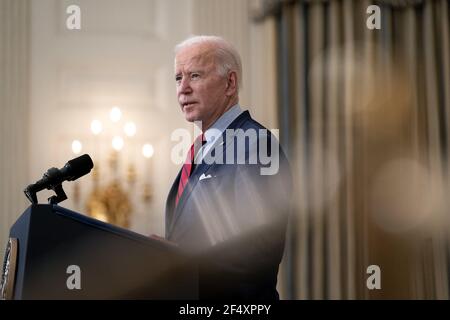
(201, 168)
(170, 203)
(192, 182)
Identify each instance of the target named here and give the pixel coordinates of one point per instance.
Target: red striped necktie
(188, 167)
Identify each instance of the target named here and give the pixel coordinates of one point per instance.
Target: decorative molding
(88, 86)
(142, 19)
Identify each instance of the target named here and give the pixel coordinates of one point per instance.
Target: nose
(184, 86)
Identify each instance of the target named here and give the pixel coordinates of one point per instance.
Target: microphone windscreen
(78, 167)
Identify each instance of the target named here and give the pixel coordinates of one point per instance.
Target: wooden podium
(56, 253)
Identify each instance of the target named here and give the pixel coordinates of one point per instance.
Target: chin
(191, 114)
(190, 117)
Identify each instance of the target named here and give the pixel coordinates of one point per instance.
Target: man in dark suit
(228, 205)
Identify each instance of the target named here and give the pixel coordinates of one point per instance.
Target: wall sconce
(115, 174)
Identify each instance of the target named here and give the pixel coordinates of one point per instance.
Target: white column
(14, 121)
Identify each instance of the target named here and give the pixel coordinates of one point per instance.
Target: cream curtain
(365, 115)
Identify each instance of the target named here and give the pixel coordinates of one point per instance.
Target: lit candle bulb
(129, 129)
(147, 150)
(76, 146)
(115, 114)
(117, 143)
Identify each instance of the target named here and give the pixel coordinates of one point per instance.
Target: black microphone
(53, 178)
(76, 168)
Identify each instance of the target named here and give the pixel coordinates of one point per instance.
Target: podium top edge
(104, 226)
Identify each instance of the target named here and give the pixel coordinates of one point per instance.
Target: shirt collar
(222, 123)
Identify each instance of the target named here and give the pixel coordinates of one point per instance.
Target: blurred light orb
(147, 150)
(115, 115)
(331, 171)
(76, 146)
(117, 143)
(96, 127)
(130, 129)
(404, 195)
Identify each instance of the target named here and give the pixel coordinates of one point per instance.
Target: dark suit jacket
(234, 220)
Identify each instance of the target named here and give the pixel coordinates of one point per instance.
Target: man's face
(201, 91)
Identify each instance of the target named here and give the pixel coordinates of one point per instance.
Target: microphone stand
(57, 188)
(60, 195)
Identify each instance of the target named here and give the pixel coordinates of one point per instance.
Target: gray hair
(228, 57)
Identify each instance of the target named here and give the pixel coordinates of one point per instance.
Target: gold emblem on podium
(9, 271)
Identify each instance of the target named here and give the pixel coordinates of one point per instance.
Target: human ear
(231, 86)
